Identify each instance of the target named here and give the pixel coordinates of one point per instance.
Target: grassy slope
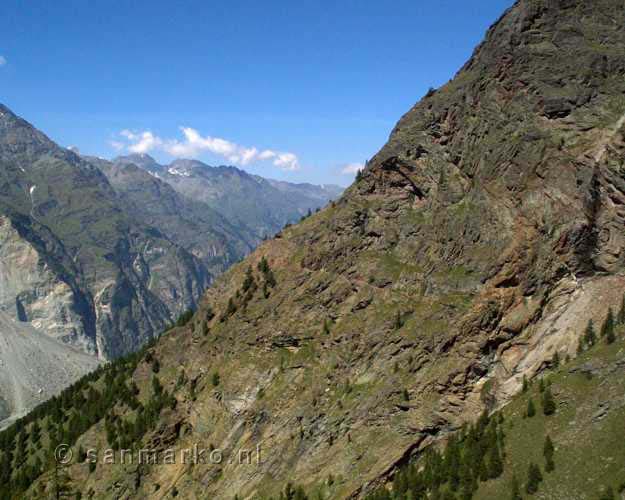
(589, 455)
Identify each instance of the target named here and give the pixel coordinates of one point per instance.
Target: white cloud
(147, 142)
(3, 60)
(195, 144)
(352, 168)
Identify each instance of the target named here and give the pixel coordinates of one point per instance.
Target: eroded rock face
(30, 291)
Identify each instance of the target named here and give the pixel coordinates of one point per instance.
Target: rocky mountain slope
(477, 243)
(249, 201)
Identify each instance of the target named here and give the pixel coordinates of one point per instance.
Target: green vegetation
(548, 451)
(185, 317)
(26, 451)
(486, 460)
(473, 455)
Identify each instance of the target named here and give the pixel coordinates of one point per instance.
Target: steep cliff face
(31, 292)
(476, 243)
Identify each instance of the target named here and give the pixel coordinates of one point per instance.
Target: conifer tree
(495, 464)
(549, 405)
(534, 477)
(263, 265)
(608, 324)
(525, 384)
(541, 385)
(548, 453)
(610, 337)
(531, 409)
(590, 337)
(555, 360)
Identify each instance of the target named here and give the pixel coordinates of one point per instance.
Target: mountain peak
(142, 160)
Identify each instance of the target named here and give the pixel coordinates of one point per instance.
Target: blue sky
(288, 90)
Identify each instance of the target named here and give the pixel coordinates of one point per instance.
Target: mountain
(262, 205)
(470, 255)
(195, 226)
(101, 265)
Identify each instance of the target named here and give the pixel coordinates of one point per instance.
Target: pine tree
(248, 282)
(548, 453)
(555, 360)
(495, 464)
(531, 409)
(263, 265)
(608, 324)
(534, 477)
(590, 337)
(549, 405)
(60, 481)
(610, 337)
(525, 384)
(541, 385)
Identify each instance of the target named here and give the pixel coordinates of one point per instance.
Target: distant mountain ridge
(262, 205)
